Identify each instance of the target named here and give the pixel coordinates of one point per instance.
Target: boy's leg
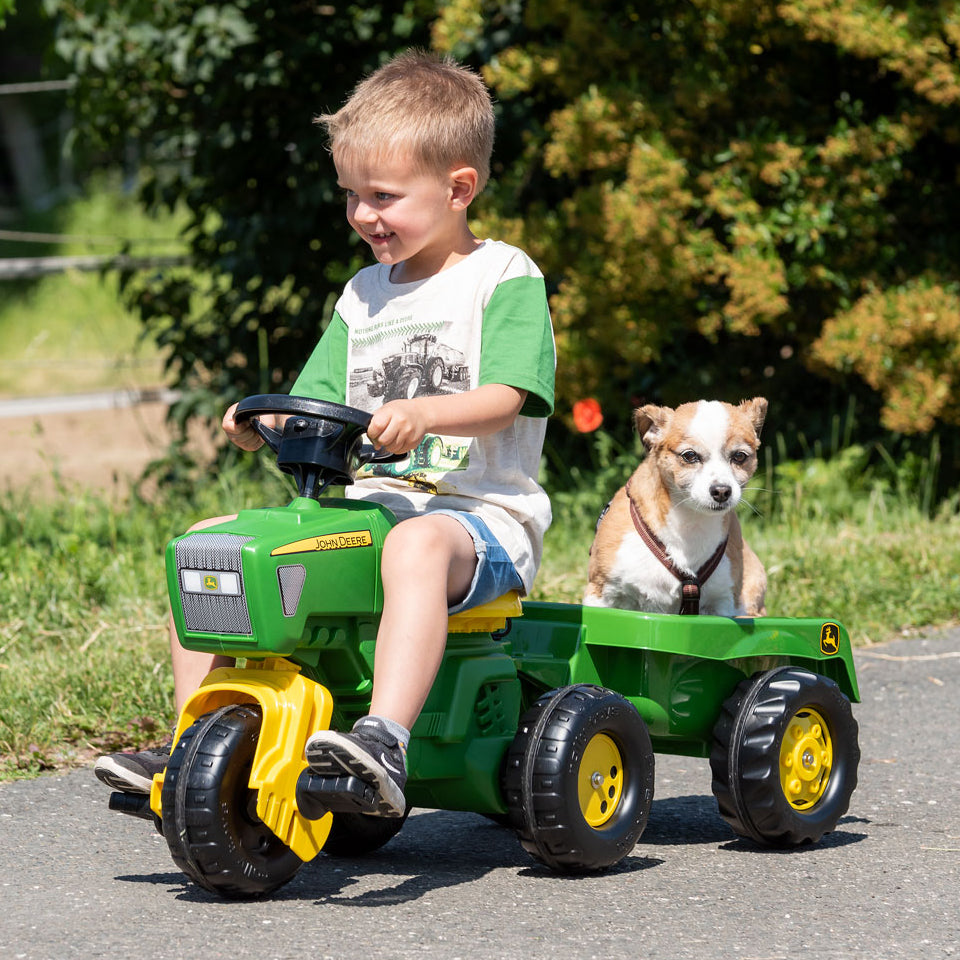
(427, 565)
(133, 771)
(190, 667)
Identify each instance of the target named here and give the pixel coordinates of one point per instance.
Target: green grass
(84, 662)
(69, 332)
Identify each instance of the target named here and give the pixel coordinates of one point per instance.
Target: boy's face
(413, 221)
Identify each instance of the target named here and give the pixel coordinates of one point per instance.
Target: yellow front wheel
(210, 817)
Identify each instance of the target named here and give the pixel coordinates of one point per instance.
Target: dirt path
(88, 449)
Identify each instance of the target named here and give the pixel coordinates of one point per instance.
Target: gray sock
(391, 726)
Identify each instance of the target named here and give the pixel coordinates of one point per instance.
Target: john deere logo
(210, 583)
(329, 541)
(829, 639)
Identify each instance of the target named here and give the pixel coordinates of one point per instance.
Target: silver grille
(290, 579)
(213, 612)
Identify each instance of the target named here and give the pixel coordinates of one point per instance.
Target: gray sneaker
(370, 753)
(132, 772)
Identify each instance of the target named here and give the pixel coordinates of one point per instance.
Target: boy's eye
(348, 194)
(690, 456)
(383, 196)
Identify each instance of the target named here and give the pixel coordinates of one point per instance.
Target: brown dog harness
(689, 584)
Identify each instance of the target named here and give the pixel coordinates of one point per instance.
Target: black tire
(784, 757)
(435, 373)
(209, 811)
(356, 834)
(432, 453)
(578, 778)
(407, 386)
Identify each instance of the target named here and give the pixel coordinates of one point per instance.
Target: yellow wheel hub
(806, 759)
(600, 782)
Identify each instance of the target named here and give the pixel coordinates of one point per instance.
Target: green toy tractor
(545, 716)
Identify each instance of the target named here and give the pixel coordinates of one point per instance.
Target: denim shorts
(495, 574)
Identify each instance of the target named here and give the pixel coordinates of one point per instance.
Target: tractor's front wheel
(784, 757)
(578, 778)
(210, 821)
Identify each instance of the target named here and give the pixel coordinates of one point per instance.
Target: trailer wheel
(356, 834)
(578, 778)
(209, 811)
(784, 757)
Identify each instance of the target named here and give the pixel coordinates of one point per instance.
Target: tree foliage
(728, 197)
(738, 196)
(220, 97)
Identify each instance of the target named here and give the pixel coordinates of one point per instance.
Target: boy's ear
(463, 187)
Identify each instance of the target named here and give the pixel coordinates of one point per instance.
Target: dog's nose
(720, 492)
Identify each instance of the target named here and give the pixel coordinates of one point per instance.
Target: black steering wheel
(321, 443)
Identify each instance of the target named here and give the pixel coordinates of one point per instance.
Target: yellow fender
(293, 707)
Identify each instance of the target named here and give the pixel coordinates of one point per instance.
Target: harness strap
(690, 584)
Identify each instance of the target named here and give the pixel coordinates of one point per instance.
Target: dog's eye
(690, 456)
(739, 458)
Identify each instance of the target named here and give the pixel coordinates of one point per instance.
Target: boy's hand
(398, 426)
(243, 434)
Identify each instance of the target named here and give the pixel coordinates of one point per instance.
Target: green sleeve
(324, 375)
(517, 343)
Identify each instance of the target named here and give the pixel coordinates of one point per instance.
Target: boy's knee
(416, 532)
(210, 522)
(419, 538)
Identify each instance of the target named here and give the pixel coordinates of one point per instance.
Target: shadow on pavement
(435, 850)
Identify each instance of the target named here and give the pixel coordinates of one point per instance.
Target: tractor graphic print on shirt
(420, 367)
(403, 360)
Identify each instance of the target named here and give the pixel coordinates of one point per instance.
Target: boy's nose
(364, 213)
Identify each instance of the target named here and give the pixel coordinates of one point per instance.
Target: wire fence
(23, 268)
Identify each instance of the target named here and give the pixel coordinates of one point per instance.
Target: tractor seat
(488, 617)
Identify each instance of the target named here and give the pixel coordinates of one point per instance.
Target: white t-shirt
(484, 320)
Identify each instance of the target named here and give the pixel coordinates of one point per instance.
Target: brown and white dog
(670, 541)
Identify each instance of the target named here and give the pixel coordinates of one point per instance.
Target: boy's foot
(132, 772)
(370, 753)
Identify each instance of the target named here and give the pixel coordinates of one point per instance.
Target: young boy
(412, 149)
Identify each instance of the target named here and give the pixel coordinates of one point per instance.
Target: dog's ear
(651, 422)
(756, 411)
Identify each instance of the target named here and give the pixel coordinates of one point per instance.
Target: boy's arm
(398, 426)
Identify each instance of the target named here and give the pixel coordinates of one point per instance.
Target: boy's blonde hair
(429, 108)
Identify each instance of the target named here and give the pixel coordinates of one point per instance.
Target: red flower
(587, 415)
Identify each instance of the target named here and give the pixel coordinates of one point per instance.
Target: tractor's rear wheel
(356, 834)
(210, 821)
(784, 757)
(578, 778)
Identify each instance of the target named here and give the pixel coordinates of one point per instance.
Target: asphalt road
(79, 881)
